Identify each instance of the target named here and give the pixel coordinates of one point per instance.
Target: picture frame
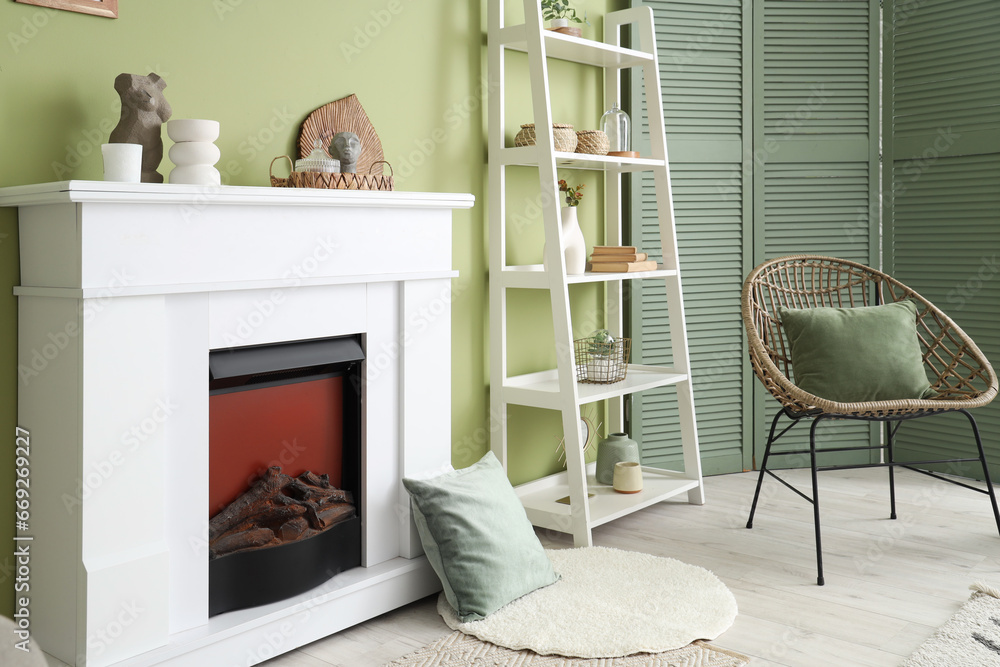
(105, 8)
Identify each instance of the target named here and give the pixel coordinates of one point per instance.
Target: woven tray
(338, 181)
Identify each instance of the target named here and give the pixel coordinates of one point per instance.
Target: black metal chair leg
(763, 468)
(892, 469)
(986, 470)
(815, 500)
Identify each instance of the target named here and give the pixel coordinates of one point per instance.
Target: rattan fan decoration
(343, 115)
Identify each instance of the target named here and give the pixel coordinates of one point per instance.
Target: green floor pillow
(478, 539)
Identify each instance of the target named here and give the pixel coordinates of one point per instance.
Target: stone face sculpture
(144, 110)
(346, 147)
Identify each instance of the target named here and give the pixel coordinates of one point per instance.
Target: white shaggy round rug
(609, 603)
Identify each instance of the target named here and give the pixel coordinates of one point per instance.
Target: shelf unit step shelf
(539, 497)
(558, 389)
(533, 276)
(529, 156)
(541, 390)
(575, 49)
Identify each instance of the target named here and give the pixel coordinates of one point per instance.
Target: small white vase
(574, 245)
(558, 23)
(194, 154)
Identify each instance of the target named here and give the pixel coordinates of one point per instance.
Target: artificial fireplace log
(293, 530)
(267, 515)
(255, 537)
(278, 509)
(305, 489)
(245, 506)
(336, 513)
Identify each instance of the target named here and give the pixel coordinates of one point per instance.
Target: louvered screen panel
(700, 47)
(815, 68)
(945, 65)
(943, 138)
(816, 154)
(803, 178)
(947, 247)
(813, 208)
(701, 70)
(711, 249)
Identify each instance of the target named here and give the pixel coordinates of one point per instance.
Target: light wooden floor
(889, 584)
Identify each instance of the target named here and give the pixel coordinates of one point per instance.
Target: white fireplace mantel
(124, 290)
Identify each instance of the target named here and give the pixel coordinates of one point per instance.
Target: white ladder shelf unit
(591, 504)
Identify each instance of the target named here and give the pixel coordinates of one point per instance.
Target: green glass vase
(613, 449)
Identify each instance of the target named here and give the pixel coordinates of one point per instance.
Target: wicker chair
(962, 376)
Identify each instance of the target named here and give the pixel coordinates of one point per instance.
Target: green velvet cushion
(478, 539)
(855, 355)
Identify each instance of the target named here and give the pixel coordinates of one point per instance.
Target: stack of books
(619, 259)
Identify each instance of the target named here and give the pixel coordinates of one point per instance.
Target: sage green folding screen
(772, 128)
(942, 185)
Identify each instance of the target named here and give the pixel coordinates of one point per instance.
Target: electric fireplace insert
(284, 469)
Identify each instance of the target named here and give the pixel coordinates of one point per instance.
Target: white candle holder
(122, 162)
(627, 477)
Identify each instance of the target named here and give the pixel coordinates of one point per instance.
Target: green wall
(418, 69)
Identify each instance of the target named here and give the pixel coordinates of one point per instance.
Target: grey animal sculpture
(144, 111)
(346, 147)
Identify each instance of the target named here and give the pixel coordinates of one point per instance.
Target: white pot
(558, 23)
(599, 368)
(574, 245)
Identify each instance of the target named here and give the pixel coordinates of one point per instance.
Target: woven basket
(606, 368)
(337, 181)
(592, 142)
(562, 135)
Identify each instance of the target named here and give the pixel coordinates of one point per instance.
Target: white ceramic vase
(574, 245)
(194, 152)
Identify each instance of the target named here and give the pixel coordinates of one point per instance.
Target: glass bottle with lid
(616, 124)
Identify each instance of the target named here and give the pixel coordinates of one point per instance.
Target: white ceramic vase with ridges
(194, 154)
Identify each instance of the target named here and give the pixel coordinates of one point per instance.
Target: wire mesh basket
(601, 363)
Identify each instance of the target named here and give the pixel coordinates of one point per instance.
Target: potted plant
(573, 195)
(600, 346)
(560, 14)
